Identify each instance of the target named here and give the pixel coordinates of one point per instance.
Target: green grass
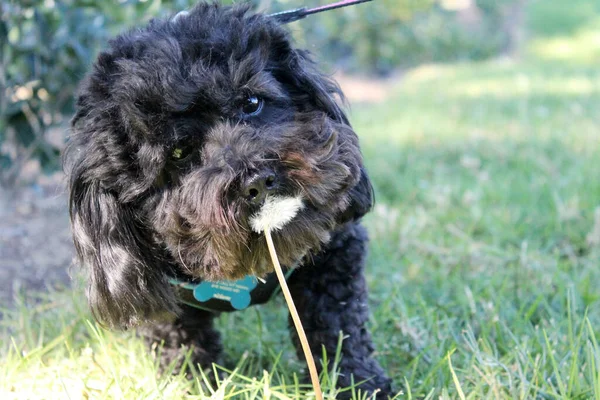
(485, 254)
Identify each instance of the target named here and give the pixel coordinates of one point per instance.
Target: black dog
(183, 130)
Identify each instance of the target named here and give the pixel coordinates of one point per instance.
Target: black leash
(285, 17)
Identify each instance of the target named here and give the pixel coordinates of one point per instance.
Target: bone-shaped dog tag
(235, 292)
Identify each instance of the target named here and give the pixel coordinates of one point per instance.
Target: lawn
(485, 254)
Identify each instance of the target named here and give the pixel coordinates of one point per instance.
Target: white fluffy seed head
(275, 213)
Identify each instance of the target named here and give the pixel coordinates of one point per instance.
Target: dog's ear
(127, 281)
(325, 94)
(126, 284)
(362, 199)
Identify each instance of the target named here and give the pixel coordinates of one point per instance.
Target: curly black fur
(159, 155)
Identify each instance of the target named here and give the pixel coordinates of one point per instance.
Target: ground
(35, 242)
(485, 251)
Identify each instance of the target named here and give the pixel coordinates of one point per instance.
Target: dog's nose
(256, 188)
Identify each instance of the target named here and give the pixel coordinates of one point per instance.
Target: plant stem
(312, 368)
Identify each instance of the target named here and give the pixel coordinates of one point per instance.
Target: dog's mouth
(240, 249)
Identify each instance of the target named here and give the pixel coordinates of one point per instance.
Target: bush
(381, 36)
(43, 50)
(46, 46)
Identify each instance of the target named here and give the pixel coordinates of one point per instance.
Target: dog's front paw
(361, 377)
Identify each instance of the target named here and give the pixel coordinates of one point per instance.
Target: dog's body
(182, 130)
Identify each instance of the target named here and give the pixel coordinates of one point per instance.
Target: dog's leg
(192, 329)
(331, 296)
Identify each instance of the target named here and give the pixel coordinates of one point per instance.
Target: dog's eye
(252, 105)
(181, 153)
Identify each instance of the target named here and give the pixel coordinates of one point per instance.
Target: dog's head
(182, 130)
